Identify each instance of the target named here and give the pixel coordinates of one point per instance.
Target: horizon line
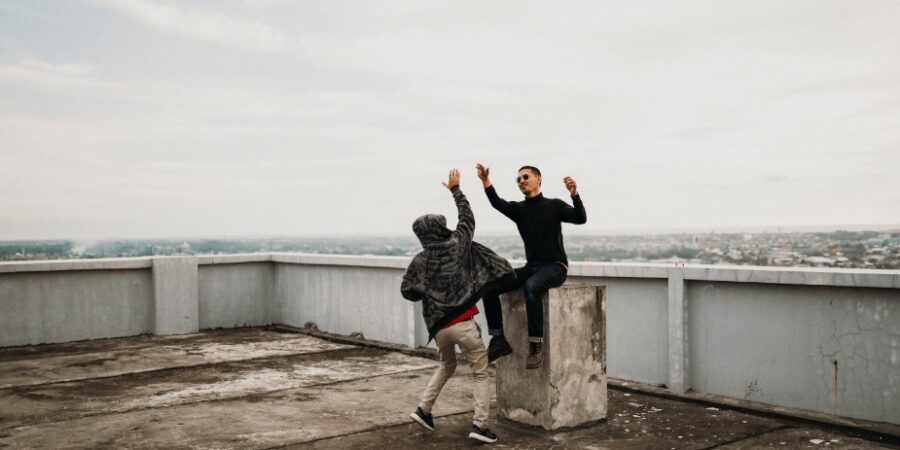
(498, 233)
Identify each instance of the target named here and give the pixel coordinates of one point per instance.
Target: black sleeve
(505, 207)
(576, 215)
(465, 228)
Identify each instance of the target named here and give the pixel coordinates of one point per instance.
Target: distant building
(874, 259)
(819, 261)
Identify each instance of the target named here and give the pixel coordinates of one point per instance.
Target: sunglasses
(522, 178)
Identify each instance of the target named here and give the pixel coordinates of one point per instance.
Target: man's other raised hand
(571, 186)
(452, 179)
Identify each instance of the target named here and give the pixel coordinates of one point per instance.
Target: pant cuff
(494, 332)
(537, 339)
(480, 424)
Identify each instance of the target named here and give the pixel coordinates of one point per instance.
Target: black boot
(498, 348)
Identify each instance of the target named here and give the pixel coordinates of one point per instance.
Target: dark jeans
(536, 281)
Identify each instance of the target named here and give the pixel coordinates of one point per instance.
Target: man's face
(529, 183)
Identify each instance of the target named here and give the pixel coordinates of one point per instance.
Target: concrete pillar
(176, 295)
(570, 388)
(678, 345)
(414, 324)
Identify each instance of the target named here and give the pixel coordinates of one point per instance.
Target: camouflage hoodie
(452, 272)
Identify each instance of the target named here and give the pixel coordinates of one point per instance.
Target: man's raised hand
(571, 186)
(452, 179)
(484, 174)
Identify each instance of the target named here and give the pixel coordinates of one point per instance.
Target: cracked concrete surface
(104, 358)
(831, 349)
(258, 389)
(855, 357)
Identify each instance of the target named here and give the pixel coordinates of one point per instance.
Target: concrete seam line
(420, 352)
(38, 266)
(212, 400)
(147, 340)
(750, 436)
(366, 430)
(165, 369)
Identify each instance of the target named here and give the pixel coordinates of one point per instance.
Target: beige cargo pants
(467, 335)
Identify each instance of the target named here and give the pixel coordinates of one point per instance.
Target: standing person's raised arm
(498, 203)
(465, 227)
(576, 214)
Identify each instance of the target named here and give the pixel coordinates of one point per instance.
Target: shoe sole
(492, 358)
(419, 421)
(534, 366)
(481, 438)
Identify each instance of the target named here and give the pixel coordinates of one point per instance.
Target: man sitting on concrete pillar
(539, 220)
(449, 276)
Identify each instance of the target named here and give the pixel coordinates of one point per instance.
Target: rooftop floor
(252, 388)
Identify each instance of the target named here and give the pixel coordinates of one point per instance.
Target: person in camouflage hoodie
(449, 276)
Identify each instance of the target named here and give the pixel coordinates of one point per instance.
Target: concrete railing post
(678, 345)
(176, 295)
(414, 323)
(570, 388)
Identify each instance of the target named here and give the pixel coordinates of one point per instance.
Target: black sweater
(539, 220)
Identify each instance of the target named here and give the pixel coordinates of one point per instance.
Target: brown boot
(535, 355)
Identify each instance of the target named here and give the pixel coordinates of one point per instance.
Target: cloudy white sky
(151, 118)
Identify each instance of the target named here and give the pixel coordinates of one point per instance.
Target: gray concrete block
(176, 295)
(570, 388)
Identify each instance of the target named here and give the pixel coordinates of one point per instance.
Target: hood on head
(431, 228)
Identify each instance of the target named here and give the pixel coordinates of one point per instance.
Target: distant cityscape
(846, 249)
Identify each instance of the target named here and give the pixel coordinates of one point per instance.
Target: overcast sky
(146, 118)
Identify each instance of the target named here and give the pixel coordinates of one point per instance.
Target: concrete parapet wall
(236, 294)
(73, 305)
(346, 299)
(765, 334)
(638, 320)
(175, 295)
(819, 348)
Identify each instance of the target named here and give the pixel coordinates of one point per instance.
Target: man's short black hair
(535, 170)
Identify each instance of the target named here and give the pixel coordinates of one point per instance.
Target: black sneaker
(423, 419)
(483, 435)
(498, 348)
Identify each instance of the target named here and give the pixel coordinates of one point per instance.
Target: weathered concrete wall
(637, 341)
(175, 294)
(73, 305)
(237, 294)
(340, 296)
(821, 348)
